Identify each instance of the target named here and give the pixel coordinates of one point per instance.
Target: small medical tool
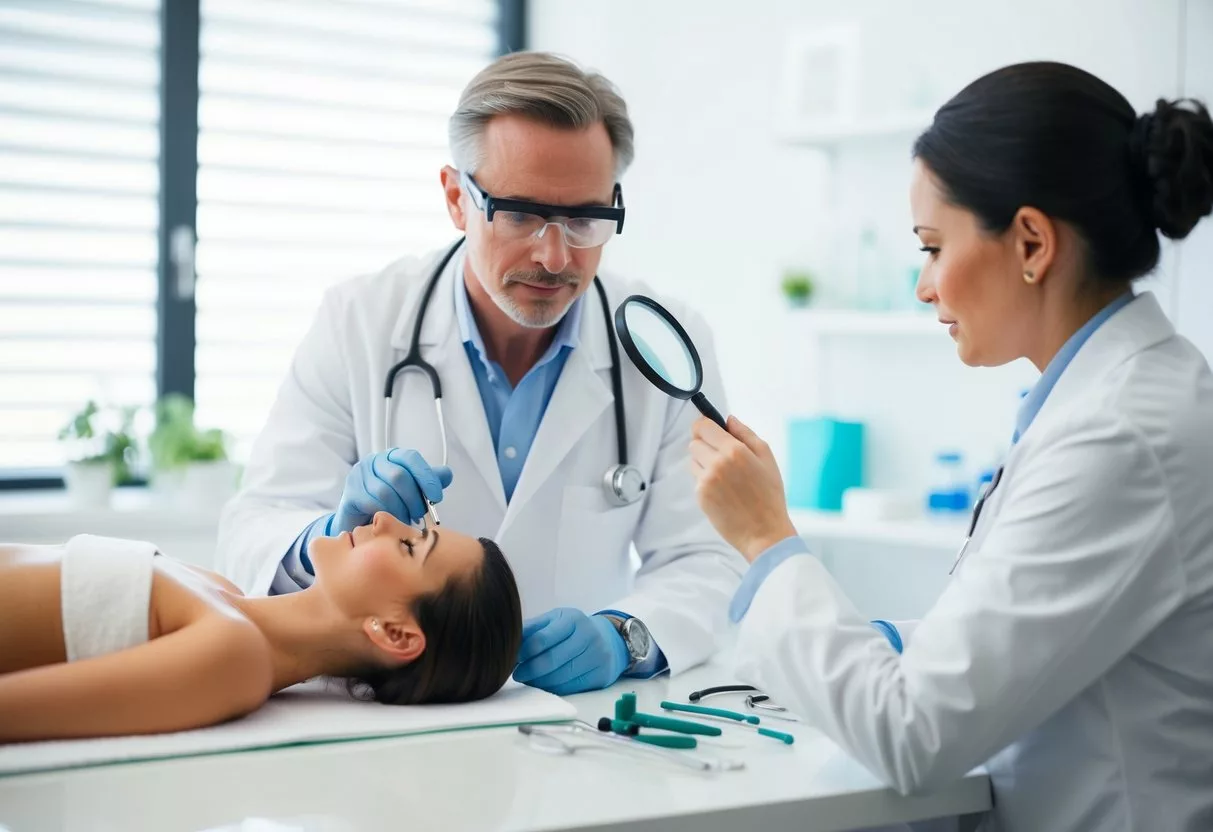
(619, 726)
(562, 739)
(623, 483)
(981, 501)
(663, 352)
(696, 695)
(740, 720)
(625, 712)
(761, 702)
(631, 729)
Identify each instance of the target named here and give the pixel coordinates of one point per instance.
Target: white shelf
(51, 515)
(921, 534)
(857, 322)
(827, 135)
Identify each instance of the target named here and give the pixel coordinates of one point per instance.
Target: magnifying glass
(663, 352)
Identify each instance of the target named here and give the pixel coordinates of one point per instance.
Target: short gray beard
(540, 315)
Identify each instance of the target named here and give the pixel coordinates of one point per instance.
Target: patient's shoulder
(214, 577)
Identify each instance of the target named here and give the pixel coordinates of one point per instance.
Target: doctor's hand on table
(397, 481)
(566, 651)
(739, 486)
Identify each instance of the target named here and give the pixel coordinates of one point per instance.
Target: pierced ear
(1035, 243)
(453, 192)
(402, 640)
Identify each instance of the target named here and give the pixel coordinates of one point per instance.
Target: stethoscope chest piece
(624, 485)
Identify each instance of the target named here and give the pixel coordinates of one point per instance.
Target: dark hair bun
(1173, 150)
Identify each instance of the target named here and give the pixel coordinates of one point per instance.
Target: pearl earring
(1029, 276)
(375, 624)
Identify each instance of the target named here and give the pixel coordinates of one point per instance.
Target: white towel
(105, 587)
(314, 712)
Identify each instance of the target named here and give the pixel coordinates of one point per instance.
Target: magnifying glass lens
(663, 352)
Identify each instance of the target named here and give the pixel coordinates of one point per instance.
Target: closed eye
(930, 249)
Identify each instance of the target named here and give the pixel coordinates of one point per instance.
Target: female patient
(101, 637)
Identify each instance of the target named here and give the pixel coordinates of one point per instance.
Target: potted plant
(191, 466)
(797, 288)
(98, 457)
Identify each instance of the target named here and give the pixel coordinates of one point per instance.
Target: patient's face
(386, 564)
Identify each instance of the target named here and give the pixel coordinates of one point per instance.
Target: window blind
(322, 131)
(79, 145)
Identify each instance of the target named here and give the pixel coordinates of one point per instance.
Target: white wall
(718, 205)
(1195, 313)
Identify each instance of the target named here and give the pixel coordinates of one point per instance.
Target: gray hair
(544, 87)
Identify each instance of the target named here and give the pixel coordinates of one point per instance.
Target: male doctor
(520, 342)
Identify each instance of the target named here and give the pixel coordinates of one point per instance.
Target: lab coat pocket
(593, 563)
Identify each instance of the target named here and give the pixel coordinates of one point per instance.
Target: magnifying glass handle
(707, 409)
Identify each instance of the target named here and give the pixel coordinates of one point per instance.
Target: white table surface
(486, 779)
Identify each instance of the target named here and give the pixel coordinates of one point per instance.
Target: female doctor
(1072, 652)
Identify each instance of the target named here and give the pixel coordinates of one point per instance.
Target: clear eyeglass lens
(579, 232)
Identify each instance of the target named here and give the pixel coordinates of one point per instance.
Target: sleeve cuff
(890, 632)
(763, 566)
(654, 665)
(295, 570)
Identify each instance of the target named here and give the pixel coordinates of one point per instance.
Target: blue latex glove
(396, 481)
(566, 651)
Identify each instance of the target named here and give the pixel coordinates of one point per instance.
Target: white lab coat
(1072, 653)
(566, 544)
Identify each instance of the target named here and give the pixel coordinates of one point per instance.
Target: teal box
(825, 458)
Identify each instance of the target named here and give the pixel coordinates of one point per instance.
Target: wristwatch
(636, 638)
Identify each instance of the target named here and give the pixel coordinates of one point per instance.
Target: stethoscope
(623, 483)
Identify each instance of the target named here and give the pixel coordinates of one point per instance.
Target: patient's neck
(308, 637)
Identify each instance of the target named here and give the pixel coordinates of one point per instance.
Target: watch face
(636, 636)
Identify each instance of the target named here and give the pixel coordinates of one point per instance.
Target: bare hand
(739, 486)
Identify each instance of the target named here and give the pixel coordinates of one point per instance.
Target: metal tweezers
(561, 737)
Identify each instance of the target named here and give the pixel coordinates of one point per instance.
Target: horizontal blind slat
(322, 131)
(79, 184)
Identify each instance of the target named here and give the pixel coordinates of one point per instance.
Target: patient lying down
(101, 637)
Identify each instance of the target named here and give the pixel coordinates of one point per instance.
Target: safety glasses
(586, 226)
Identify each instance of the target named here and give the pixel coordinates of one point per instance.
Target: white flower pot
(207, 484)
(89, 484)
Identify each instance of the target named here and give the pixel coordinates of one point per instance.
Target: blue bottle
(950, 492)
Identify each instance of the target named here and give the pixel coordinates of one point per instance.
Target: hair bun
(1172, 148)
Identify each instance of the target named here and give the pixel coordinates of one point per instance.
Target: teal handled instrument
(717, 712)
(679, 741)
(618, 726)
(625, 711)
(632, 731)
(741, 720)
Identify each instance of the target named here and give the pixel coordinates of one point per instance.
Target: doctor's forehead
(525, 159)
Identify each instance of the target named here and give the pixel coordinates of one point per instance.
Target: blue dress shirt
(514, 413)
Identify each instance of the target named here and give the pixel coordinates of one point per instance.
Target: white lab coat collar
(1138, 326)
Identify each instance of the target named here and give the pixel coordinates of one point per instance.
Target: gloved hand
(396, 481)
(566, 651)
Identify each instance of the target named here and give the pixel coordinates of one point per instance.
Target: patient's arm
(210, 671)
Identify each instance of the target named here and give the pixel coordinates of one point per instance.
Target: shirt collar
(1035, 400)
(567, 331)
